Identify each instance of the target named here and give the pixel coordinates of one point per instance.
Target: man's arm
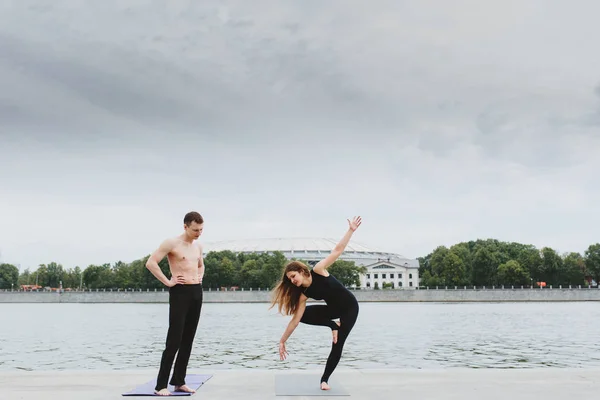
(200, 265)
(337, 251)
(160, 253)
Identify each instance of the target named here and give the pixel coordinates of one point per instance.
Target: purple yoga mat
(147, 389)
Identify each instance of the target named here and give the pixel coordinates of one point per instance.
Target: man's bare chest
(184, 254)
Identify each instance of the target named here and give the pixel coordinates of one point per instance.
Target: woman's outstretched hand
(282, 351)
(354, 224)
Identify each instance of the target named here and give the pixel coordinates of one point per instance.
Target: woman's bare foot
(184, 388)
(163, 392)
(324, 386)
(335, 333)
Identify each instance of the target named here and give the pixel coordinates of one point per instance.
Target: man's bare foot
(335, 333)
(324, 386)
(184, 388)
(162, 392)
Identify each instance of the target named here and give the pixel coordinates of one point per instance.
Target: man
(185, 300)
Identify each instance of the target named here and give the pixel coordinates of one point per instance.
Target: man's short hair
(193, 216)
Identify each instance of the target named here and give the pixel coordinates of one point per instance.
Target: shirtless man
(185, 300)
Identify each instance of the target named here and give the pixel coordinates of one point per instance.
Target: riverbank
(257, 296)
(467, 384)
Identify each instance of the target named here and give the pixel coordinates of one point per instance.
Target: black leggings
(185, 304)
(321, 314)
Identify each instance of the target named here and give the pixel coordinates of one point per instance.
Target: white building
(382, 267)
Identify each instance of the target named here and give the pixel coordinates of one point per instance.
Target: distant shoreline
(263, 296)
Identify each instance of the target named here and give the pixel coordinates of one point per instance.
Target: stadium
(394, 270)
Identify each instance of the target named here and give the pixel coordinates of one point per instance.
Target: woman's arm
(292, 326)
(322, 265)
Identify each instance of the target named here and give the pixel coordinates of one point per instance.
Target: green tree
(227, 272)
(124, 276)
(428, 280)
(42, 276)
(464, 253)
(223, 268)
(531, 260)
(9, 276)
(98, 276)
(592, 261)
(347, 272)
(25, 278)
(483, 267)
(574, 269)
(513, 250)
(53, 274)
(424, 264)
(251, 275)
(454, 270)
(273, 268)
(512, 273)
(72, 278)
(77, 278)
(136, 275)
(211, 270)
(551, 266)
(437, 260)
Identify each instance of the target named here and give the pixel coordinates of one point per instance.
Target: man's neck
(187, 240)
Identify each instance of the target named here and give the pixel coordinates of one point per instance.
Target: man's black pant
(185, 304)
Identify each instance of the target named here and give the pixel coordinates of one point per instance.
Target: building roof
(289, 244)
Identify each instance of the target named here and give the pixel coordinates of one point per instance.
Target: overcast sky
(438, 122)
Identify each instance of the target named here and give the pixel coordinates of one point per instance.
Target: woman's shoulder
(319, 273)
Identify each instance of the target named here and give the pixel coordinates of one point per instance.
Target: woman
(298, 284)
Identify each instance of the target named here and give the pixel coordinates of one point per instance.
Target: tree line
(493, 262)
(222, 269)
(474, 263)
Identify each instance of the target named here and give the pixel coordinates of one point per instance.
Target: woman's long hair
(287, 295)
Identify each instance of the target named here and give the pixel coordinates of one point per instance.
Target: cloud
(437, 122)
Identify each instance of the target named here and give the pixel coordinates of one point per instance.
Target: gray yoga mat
(306, 385)
(147, 389)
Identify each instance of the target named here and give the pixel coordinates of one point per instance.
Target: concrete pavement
(439, 384)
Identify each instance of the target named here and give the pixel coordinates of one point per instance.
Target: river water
(232, 336)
